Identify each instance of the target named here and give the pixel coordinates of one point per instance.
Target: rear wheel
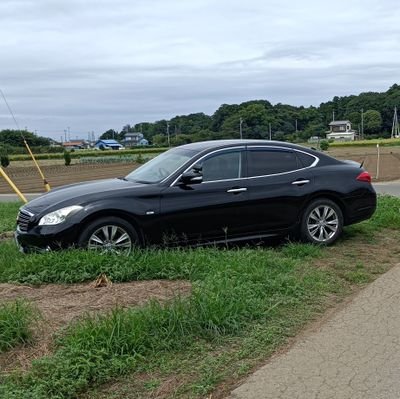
(109, 235)
(322, 222)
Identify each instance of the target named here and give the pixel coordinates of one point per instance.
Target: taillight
(364, 176)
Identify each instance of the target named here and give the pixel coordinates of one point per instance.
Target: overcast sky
(97, 64)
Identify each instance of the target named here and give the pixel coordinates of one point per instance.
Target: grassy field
(245, 303)
(8, 216)
(16, 323)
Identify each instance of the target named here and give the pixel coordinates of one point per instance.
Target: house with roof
(134, 139)
(77, 144)
(108, 145)
(341, 131)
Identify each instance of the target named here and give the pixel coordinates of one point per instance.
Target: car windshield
(161, 166)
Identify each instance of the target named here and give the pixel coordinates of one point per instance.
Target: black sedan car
(207, 192)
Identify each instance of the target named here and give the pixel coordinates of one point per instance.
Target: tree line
(287, 122)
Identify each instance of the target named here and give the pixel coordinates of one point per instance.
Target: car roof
(215, 144)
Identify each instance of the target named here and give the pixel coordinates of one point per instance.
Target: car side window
(261, 162)
(306, 160)
(226, 165)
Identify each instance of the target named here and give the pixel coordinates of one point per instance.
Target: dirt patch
(61, 304)
(389, 165)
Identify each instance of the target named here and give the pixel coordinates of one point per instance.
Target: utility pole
(69, 134)
(296, 125)
(65, 135)
(395, 125)
(169, 142)
(362, 123)
(270, 132)
(240, 128)
(333, 116)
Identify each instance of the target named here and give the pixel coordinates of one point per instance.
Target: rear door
(278, 185)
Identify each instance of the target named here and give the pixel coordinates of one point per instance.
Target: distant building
(134, 140)
(54, 143)
(341, 131)
(108, 145)
(77, 144)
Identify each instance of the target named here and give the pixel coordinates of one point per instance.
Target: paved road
(355, 355)
(14, 197)
(392, 188)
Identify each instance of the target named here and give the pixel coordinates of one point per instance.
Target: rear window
(305, 159)
(270, 161)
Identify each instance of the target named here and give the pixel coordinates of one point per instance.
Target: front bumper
(46, 238)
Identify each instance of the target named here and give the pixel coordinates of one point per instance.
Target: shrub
(140, 159)
(67, 158)
(4, 161)
(324, 145)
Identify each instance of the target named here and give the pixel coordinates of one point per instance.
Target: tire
(322, 222)
(109, 235)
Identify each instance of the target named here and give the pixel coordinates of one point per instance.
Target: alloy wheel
(322, 223)
(110, 239)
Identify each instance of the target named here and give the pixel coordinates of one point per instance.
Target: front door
(215, 209)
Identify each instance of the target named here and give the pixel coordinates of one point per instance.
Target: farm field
(389, 168)
(175, 323)
(28, 180)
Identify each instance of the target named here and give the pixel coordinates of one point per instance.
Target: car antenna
(362, 163)
(46, 184)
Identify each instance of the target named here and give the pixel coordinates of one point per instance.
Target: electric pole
(169, 142)
(362, 123)
(296, 125)
(240, 128)
(270, 132)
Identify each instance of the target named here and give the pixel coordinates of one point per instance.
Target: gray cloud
(94, 65)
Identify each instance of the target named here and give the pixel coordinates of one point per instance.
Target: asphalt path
(354, 355)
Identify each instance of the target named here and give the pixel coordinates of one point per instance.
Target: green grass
(230, 293)
(8, 215)
(92, 153)
(367, 143)
(16, 322)
(244, 304)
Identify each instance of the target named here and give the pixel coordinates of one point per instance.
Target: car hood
(79, 194)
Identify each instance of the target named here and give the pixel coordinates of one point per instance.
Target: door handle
(300, 182)
(237, 190)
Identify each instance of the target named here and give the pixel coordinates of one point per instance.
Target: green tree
(372, 122)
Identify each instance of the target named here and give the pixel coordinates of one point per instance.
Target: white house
(341, 131)
(134, 139)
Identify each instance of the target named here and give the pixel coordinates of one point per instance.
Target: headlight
(58, 216)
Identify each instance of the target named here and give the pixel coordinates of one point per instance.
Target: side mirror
(193, 176)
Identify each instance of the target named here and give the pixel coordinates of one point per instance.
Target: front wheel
(322, 222)
(109, 235)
